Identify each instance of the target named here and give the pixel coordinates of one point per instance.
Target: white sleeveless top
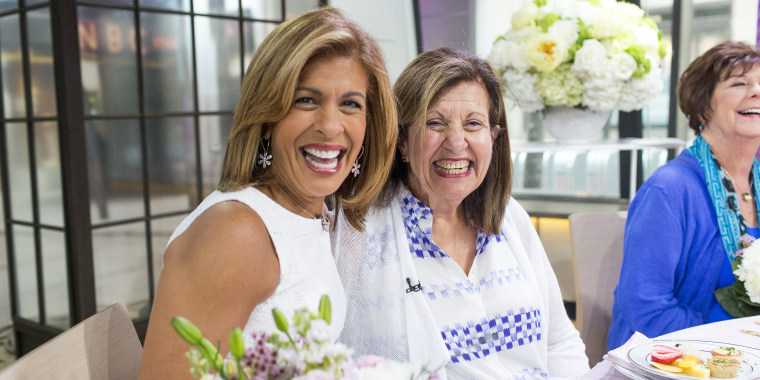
(307, 267)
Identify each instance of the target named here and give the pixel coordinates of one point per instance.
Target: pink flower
(370, 361)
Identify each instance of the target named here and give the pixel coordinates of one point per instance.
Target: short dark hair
(697, 84)
(419, 87)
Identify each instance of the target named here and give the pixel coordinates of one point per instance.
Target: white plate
(640, 357)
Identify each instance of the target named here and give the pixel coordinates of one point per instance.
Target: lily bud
(325, 308)
(211, 354)
(237, 346)
(187, 330)
(280, 320)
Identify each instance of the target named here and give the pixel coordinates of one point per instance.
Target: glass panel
(656, 113)
(263, 9)
(123, 2)
(109, 63)
(214, 132)
(114, 165)
(171, 164)
(177, 5)
(255, 32)
(8, 4)
(10, 60)
(41, 60)
(18, 171)
(218, 58)
(49, 185)
(162, 230)
(217, 7)
(33, 2)
(119, 256)
(167, 64)
(294, 8)
(55, 278)
(5, 304)
(26, 272)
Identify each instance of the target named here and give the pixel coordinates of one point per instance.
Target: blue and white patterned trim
(477, 340)
(419, 234)
(496, 279)
(530, 374)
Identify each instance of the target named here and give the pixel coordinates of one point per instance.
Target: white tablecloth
(724, 332)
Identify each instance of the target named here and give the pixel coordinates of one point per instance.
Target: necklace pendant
(325, 222)
(746, 197)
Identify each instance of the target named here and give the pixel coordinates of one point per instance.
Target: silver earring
(265, 159)
(355, 170)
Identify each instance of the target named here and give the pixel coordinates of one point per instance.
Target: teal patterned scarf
(724, 197)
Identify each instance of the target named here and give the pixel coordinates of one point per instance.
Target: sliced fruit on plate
(665, 367)
(698, 371)
(664, 354)
(687, 361)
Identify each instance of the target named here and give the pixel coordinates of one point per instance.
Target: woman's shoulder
(683, 169)
(225, 227)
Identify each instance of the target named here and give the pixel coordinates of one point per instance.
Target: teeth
(752, 111)
(453, 167)
(331, 164)
(322, 153)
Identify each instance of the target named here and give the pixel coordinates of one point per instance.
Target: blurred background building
(114, 116)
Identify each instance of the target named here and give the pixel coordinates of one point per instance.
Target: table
(723, 331)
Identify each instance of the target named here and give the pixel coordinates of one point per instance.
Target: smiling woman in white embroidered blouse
(451, 274)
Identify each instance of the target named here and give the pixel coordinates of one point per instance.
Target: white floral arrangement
(592, 54)
(742, 299)
(300, 350)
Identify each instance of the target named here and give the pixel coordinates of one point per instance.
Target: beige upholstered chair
(597, 246)
(103, 347)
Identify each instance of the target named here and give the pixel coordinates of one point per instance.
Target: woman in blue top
(685, 223)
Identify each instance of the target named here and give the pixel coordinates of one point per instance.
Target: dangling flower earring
(265, 159)
(355, 169)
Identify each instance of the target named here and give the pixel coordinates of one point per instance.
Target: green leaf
(325, 308)
(736, 302)
(187, 330)
(539, 3)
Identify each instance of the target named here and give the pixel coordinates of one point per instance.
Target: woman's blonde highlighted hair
(267, 94)
(419, 87)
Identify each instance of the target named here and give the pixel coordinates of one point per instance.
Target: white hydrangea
(571, 9)
(600, 93)
(560, 87)
(636, 92)
(522, 87)
(498, 58)
(749, 271)
(508, 54)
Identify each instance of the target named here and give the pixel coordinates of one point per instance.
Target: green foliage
(584, 33)
(547, 21)
(736, 302)
(642, 63)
